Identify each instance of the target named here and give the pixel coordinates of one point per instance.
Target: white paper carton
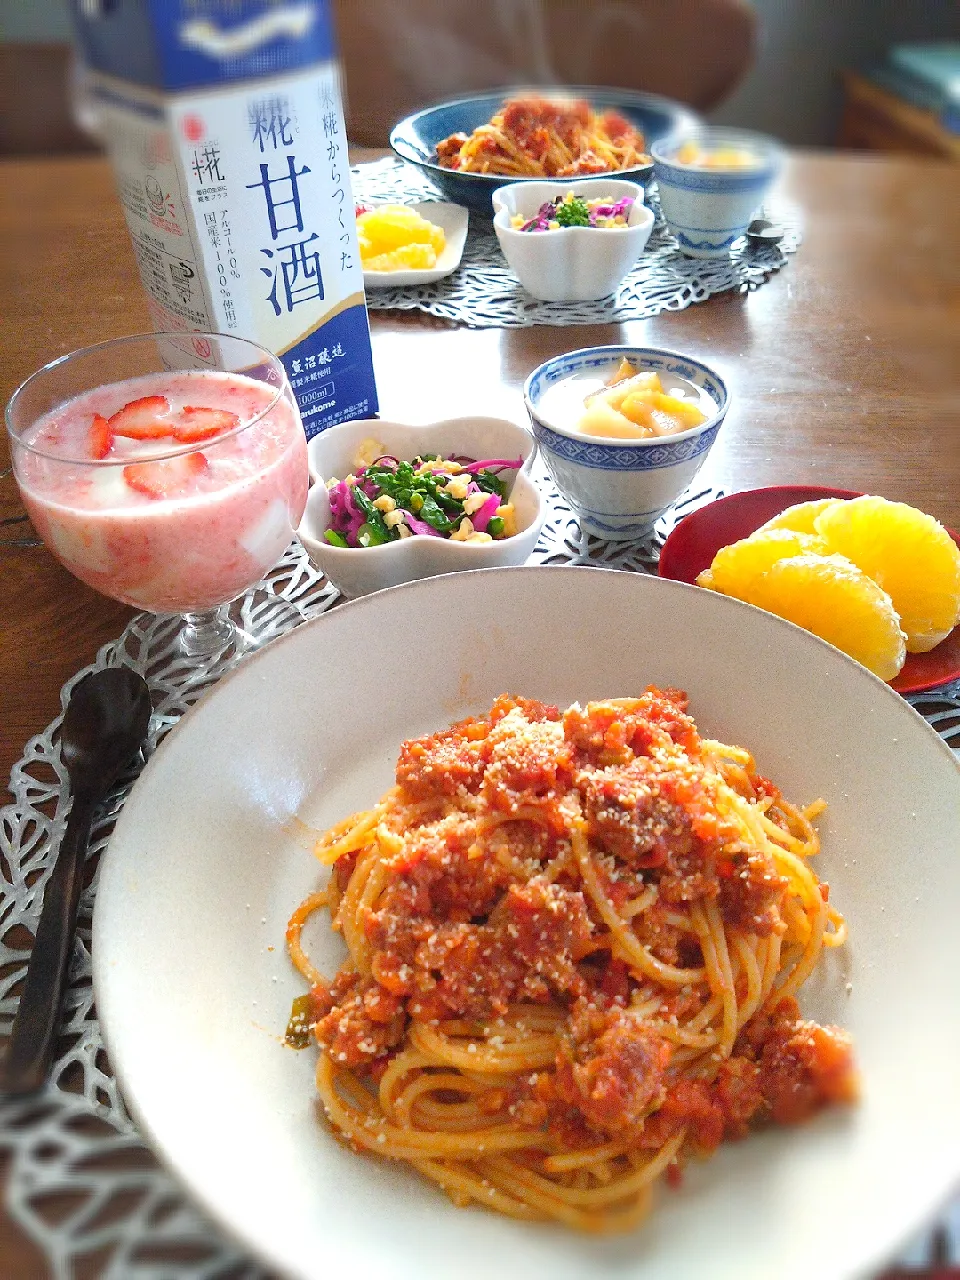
(224, 125)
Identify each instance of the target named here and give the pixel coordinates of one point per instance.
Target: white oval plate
(194, 987)
(454, 220)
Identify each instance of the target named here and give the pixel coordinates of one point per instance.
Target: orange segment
(909, 554)
(801, 517)
(736, 567)
(876, 578)
(837, 602)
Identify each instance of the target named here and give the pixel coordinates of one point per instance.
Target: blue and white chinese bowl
(708, 208)
(619, 488)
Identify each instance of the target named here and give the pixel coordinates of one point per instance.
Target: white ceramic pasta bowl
(193, 987)
(454, 220)
(359, 570)
(619, 488)
(571, 264)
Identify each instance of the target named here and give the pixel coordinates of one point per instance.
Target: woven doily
(74, 1146)
(483, 292)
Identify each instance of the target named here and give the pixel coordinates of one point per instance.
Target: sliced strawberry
(194, 424)
(101, 437)
(143, 419)
(165, 477)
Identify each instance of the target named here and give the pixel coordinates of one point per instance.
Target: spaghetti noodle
(536, 138)
(574, 944)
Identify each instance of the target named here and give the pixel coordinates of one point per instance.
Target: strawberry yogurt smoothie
(167, 531)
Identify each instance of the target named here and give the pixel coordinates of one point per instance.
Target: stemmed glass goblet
(168, 471)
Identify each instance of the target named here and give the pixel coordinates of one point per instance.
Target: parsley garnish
(573, 213)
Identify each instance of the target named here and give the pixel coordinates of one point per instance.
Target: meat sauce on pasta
(575, 941)
(538, 138)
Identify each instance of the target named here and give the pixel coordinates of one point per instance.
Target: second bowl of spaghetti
(471, 146)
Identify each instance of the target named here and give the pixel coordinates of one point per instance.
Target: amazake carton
(224, 124)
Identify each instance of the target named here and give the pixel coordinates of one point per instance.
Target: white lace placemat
(483, 292)
(81, 1184)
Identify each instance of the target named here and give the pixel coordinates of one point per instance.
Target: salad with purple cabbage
(386, 499)
(574, 211)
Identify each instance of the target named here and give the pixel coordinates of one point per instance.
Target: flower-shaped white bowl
(356, 571)
(706, 208)
(571, 264)
(619, 488)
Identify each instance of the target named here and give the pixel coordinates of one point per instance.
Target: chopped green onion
(335, 538)
(368, 535)
(495, 526)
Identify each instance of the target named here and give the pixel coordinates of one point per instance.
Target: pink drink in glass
(163, 531)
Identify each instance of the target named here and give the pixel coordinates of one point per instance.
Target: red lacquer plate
(691, 546)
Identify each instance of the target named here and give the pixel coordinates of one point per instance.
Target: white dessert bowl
(619, 488)
(709, 208)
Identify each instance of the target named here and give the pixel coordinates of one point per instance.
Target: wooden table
(844, 369)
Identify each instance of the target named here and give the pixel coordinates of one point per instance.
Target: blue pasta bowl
(415, 138)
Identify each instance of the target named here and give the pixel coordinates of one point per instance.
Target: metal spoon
(762, 231)
(103, 728)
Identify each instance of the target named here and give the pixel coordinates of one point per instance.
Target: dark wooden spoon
(103, 728)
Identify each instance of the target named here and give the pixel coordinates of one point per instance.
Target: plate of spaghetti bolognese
(457, 945)
(471, 146)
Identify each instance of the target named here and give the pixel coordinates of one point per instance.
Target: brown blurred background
(774, 65)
